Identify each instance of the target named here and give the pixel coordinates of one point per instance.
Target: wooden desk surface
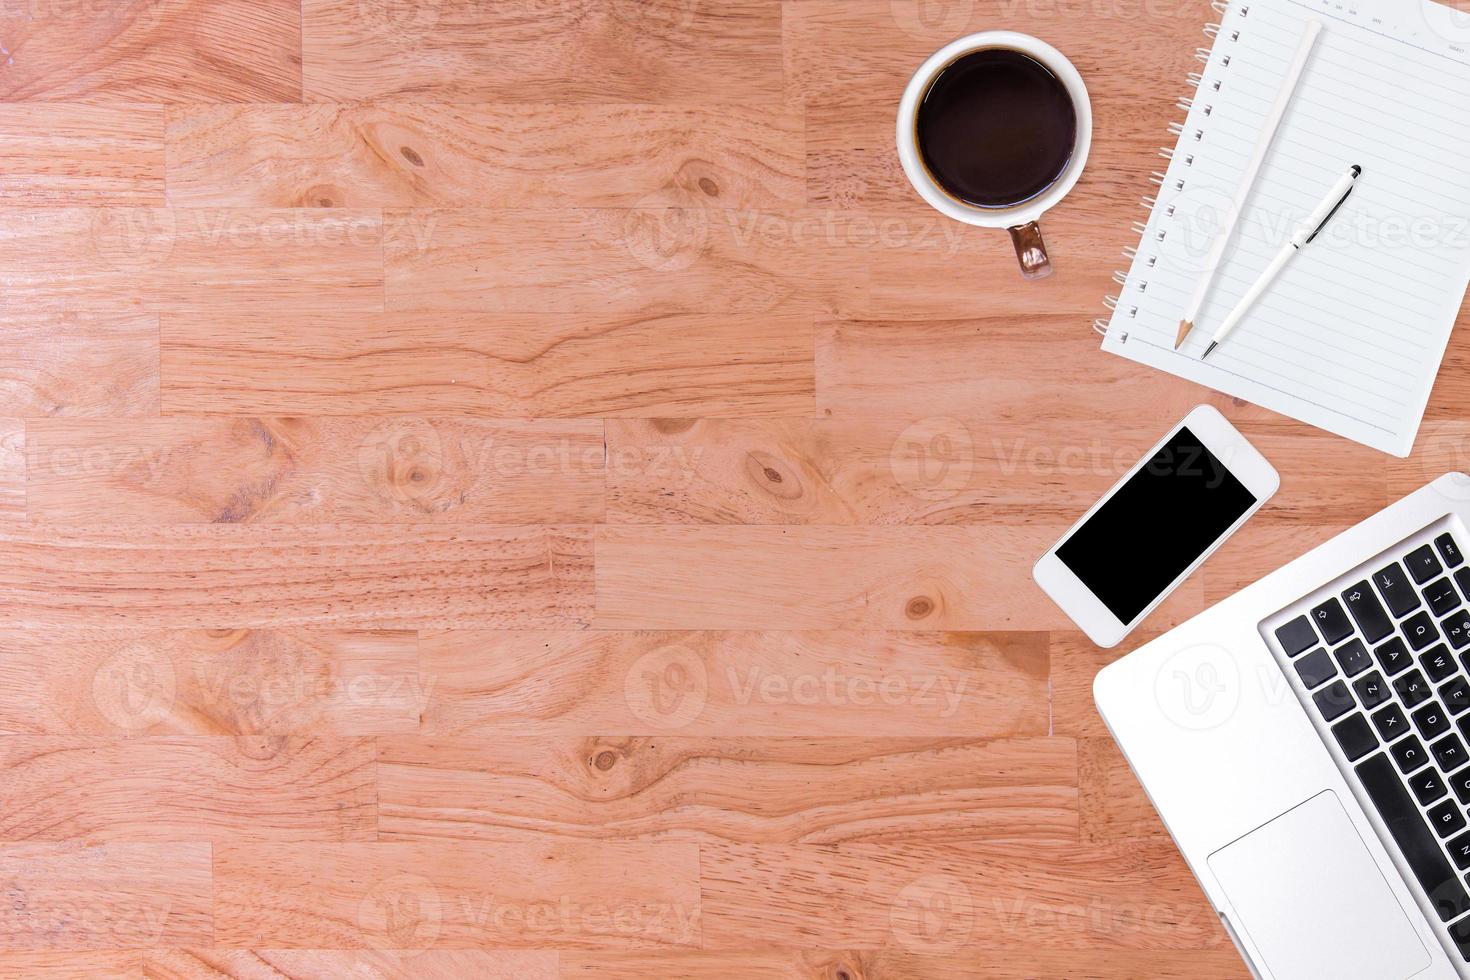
(526, 490)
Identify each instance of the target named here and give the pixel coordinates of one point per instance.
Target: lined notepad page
(1351, 334)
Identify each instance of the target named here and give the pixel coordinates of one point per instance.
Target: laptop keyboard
(1387, 666)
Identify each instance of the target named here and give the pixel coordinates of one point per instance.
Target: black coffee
(996, 128)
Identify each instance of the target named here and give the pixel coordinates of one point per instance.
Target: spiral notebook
(1350, 336)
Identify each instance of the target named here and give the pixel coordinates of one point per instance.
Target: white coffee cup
(1019, 219)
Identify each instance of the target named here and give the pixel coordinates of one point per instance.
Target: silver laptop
(1307, 744)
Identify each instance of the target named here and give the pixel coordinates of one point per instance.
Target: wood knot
(772, 475)
(411, 155)
(673, 426)
(605, 760)
(918, 607)
(709, 187)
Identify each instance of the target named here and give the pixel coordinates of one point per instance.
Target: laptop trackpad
(1310, 898)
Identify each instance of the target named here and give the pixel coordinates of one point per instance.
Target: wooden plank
(665, 51)
(1443, 446)
(416, 154)
(996, 368)
(762, 683)
(106, 896)
(77, 154)
(148, 259)
(1075, 663)
(165, 51)
(737, 788)
(1018, 962)
(365, 576)
(935, 899)
(101, 964)
(12, 470)
(329, 964)
(933, 470)
(613, 260)
(280, 683)
(364, 469)
(1112, 803)
(933, 577)
(186, 788)
(454, 895)
(79, 365)
(505, 365)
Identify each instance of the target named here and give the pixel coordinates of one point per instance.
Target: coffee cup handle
(1030, 250)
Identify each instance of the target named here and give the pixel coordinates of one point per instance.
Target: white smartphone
(1155, 526)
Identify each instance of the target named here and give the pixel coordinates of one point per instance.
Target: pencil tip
(1206, 354)
(1184, 327)
(1357, 170)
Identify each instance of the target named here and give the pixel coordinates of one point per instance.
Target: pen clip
(1323, 223)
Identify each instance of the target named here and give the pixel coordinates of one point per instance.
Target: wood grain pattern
(526, 489)
(754, 365)
(77, 154)
(79, 364)
(902, 789)
(278, 683)
(761, 683)
(414, 154)
(105, 896)
(792, 578)
(374, 576)
(152, 51)
(63, 259)
(254, 788)
(535, 50)
(407, 469)
(452, 895)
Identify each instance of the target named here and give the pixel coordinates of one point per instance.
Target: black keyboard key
(1296, 636)
(1390, 722)
(1457, 629)
(1460, 851)
(1409, 754)
(1394, 656)
(1431, 720)
(1437, 662)
(1354, 659)
(1446, 818)
(1455, 695)
(1333, 700)
(1462, 579)
(1460, 933)
(1331, 621)
(1449, 753)
(1422, 564)
(1373, 690)
(1415, 842)
(1460, 783)
(1315, 668)
(1412, 687)
(1367, 612)
(1394, 586)
(1427, 786)
(1449, 550)
(1355, 736)
(1441, 596)
(1419, 628)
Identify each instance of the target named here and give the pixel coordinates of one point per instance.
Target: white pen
(1303, 236)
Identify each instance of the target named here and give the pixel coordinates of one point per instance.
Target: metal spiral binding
(1185, 103)
(1212, 31)
(1219, 6)
(1194, 79)
(1148, 201)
